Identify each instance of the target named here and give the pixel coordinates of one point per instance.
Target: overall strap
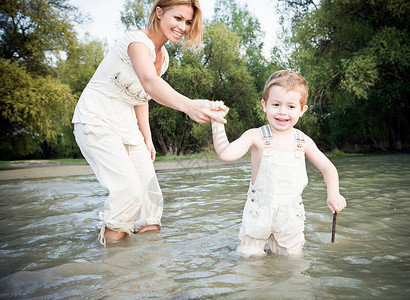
(266, 134)
(300, 139)
(265, 131)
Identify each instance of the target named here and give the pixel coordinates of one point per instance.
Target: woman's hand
(201, 110)
(151, 148)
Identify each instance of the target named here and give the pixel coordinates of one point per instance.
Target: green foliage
(172, 129)
(76, 70)
(229, 67)
(135, 13)
(195, 80)
(232, 81)
(80, 64)
(337, 153)
(36, 108)
(355, 55)
(34, 31)
(360, 73)
(247, 27)
(33, 108)
(217, 72)
(240, 21)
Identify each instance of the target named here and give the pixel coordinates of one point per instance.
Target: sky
(105, 23)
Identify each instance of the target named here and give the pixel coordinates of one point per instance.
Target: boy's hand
(336, 203)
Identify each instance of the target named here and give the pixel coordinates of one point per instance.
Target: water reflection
(49, 248)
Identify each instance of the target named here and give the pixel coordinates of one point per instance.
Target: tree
(136, 13)
(217, 71)
(231, 81)
(172, 129)
(76, 70)
(80, 64)
(247, 27)
(355, 55)
(34, 110)
(33, 32)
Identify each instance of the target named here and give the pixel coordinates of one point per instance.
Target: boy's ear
(304, 108)
(263, 102)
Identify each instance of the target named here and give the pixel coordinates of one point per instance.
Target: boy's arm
(142, 114)
(335, 201)
(230, 151)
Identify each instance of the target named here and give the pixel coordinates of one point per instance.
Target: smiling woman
(111, 122)
(185, 20)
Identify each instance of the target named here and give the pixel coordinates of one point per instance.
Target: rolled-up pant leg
(127, 172)
(251, 247)
(150, 212)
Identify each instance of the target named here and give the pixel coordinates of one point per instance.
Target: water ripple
(48, 246)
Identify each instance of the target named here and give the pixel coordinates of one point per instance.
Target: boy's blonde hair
(290, 81)
(194, 37)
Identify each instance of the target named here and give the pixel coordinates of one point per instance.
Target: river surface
(49, 248)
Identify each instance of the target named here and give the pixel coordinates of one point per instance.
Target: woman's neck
(157, 38)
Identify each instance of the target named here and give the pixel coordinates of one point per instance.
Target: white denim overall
(274, 210)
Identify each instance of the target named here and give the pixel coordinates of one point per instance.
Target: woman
(111, 117)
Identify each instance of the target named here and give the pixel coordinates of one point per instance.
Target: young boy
(274, 210)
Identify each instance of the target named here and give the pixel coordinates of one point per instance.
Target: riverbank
(33, 169)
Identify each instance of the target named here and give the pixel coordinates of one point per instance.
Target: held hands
(203, 111)
(336, 203)
(220, 112)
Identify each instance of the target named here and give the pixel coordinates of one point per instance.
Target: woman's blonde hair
(194, 37)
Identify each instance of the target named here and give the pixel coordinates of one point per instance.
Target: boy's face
(283, 108)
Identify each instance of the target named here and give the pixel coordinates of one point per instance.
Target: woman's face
(175, 22)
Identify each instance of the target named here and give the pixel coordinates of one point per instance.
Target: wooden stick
(334, 227)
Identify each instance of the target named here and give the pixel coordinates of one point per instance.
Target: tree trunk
(398, 136)
(160, 140)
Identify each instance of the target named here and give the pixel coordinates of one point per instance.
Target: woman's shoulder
(138, 36)
(131, 37)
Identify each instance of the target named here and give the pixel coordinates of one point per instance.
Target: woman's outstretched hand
(200, 110)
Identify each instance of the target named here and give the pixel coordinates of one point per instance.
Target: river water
(49, 248)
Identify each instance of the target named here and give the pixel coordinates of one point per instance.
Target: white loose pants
(127, 172)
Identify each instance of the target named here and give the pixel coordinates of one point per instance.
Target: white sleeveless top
(110, 96)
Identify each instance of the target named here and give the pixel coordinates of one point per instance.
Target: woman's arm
(142, 114)
(162, 92)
